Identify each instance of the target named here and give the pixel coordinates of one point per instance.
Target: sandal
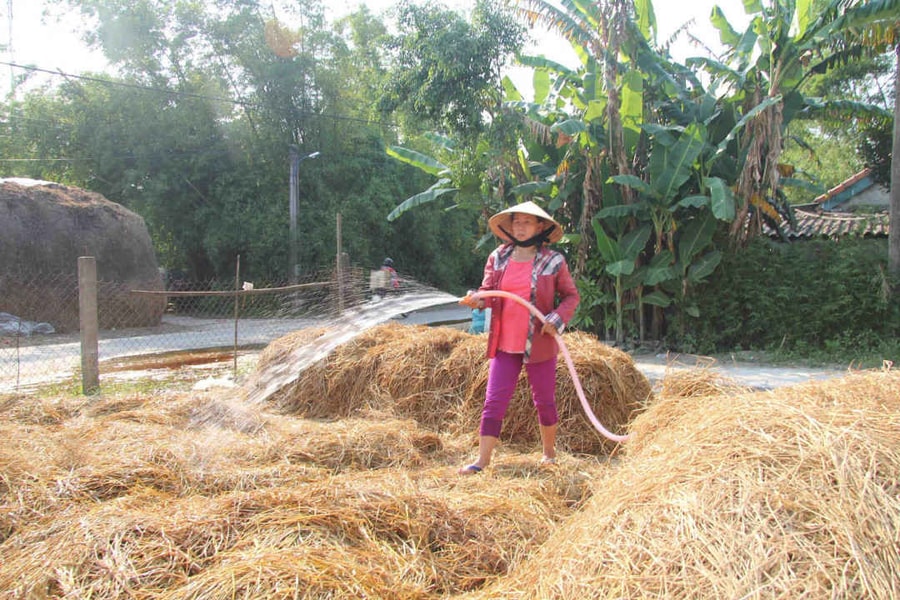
(546, 460)
(470, 470)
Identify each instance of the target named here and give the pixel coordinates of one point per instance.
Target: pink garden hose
(565, 352)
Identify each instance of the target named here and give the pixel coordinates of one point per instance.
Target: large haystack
(192, 496)
(163, 494)
(792, 493)
(438, 377)
(45, 227)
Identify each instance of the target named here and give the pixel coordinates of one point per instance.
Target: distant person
(384, 280)
(393, 278)
(523, 265)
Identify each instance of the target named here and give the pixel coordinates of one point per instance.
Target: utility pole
(296, 159)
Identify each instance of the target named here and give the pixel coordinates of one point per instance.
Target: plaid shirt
(550, 280)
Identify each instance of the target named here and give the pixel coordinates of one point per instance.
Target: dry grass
(786, 494)
(720, 493)
(438, 376)
(190, 495)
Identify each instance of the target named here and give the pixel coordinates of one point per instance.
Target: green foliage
(822, 159)
(447, 70)
(194, 137)
(817, 295)
(875, 146)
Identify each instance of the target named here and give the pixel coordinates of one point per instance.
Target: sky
(53, 44)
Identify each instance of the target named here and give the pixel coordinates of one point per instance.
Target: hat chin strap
(535, 240)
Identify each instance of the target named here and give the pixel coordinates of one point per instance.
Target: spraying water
(568, 358)
(365, 315)
(340, 330)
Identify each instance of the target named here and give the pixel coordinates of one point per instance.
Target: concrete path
(762, 377)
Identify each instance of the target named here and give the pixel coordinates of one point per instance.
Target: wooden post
(237, 299)
(339, 270)
(88, 324)
(294, 191)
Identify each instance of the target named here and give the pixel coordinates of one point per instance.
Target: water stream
(340, 330)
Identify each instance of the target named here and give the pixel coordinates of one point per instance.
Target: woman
(524, 266)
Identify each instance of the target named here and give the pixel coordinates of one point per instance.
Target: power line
(124, 84)
(20, 160)
(144, 88)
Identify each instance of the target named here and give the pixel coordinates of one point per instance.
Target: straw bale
(419, 538)
(333, 385)
(788, 493)
(145, 542)
(105, 462)
(38, 411)
(467, 359)
(443, 540)
(45, 229)
(613, 385)
(280, 349)
(411, 357)
(438, 376)
(321, 571)
(212, 411)
(25, 464)
(140, 496)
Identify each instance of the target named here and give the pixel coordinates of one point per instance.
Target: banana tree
(603, 98)
(443, 186)
(620, 257)
(765, 66)
(695, 261)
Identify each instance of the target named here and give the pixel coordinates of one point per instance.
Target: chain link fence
(40, 339)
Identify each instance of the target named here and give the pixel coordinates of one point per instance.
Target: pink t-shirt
(514, 324)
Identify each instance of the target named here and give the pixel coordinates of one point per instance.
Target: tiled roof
(833, 225)
(844, 185)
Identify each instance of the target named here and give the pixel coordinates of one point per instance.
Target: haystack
(45, 227)
(790, 493)
(438, 377)
(178, 498)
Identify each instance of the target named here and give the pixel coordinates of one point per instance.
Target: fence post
(237, 312)
(339, 270)
(88, 324)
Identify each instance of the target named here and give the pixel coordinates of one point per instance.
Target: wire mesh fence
(39, 326)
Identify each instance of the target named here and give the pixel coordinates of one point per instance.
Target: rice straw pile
(790, 493)
(701, 381)
(438, 376)
(720, 492)
(189, 495)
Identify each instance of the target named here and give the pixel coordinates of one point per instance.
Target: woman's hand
(471, 301)
(549, 329)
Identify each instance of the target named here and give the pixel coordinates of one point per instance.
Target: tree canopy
(656, 168)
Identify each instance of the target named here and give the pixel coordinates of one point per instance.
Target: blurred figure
(393, 278)
(384, 280)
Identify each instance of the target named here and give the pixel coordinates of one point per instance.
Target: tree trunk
(894, 235)
(592, 190)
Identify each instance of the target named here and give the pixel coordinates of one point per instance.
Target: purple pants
(503, 374)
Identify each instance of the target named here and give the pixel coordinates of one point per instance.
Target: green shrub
(819, 296)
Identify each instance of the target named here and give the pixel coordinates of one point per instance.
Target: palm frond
(578, 33)
(883, 14)
(843, 110)
(431, 194)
